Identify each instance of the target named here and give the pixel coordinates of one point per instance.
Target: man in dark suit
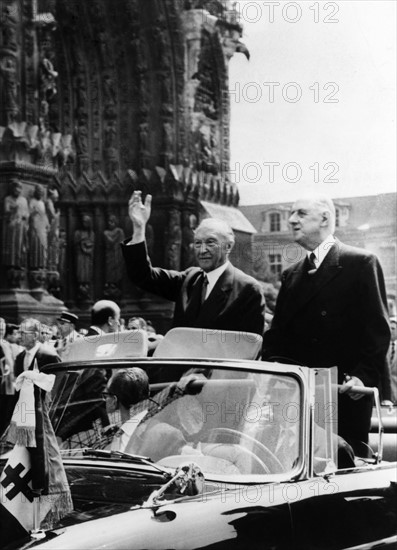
(34, 351)
(215, 295)
(332, 311)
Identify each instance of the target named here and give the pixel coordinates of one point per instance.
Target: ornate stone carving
(8, 70)
(110, 150)
(9, 21)
(174, 240)
(109, 90)
(48, 76)
(54, 283)
(15, 277)
(37, 278)
(82, 145)
(62, 246)
(168, 137)
(189, 226)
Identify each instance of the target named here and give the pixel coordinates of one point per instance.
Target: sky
(314, 109)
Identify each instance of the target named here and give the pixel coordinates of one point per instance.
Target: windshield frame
(299, 374)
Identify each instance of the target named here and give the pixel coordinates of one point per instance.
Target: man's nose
(292, 219)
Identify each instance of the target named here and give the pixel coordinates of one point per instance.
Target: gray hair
(218, 225)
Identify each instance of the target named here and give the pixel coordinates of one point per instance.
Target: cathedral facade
(100, 98)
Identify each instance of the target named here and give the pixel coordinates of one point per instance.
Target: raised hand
(139, 212)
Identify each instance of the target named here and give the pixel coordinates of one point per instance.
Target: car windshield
(230, 421)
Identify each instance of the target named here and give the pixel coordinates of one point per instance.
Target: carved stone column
(28, 148)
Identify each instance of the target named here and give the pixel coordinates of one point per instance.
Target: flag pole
(36, 532)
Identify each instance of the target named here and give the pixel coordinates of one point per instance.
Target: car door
(348, 509)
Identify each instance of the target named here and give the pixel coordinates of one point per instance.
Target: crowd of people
(331, 309)
(33, 343)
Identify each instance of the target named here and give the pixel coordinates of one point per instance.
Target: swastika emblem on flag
(13, 475)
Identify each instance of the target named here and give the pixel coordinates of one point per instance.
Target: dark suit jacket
(335, 317)
(45, 355)
(235, 303)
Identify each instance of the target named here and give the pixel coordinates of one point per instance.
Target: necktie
(204, 288)
(312, 265)
(196, 298)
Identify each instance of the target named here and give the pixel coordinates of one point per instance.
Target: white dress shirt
(322, 250)
(213, 277)
(125, 432)
(29, 355)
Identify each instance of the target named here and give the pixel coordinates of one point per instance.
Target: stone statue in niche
(48, 78)
(81, 91)
(15, 228)
(144, 93)
(103, 42)
(113, 236)
(9, 23)
(140, 55)
(8, 70)
(82, 139)
(62, 246)
(53, 215)
(168, 133)
(143, 137)
(109, 90)
(38, 230)
(84, 243)
(189, 227)
(110, 151)
(174, 240)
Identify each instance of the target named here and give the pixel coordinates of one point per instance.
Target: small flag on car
(33, 483)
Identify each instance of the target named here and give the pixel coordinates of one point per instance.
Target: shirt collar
(322, 250)
(32, 351)
(130, 425)
(214, 275)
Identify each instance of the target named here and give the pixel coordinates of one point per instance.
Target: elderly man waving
(215, 295)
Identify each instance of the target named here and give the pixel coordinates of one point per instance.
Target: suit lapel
(188, 287)
(19, 361)
(328, 270)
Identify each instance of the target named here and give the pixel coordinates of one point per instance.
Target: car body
(225, 454)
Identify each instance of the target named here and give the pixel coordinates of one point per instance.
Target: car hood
(208, 520)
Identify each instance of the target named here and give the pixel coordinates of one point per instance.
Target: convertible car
(226, 452)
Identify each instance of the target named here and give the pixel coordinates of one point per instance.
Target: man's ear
(326, 219)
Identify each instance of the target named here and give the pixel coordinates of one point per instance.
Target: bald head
(105, 314)
(312, 220)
